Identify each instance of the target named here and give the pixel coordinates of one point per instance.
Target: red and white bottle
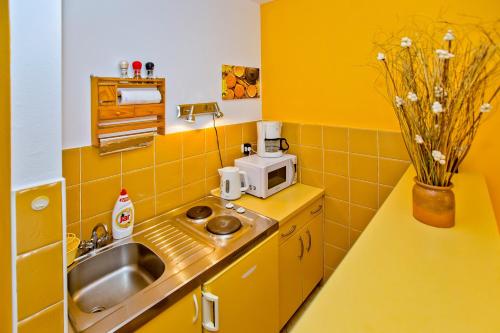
(123, 216)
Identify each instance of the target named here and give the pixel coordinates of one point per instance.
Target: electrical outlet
(246, 148)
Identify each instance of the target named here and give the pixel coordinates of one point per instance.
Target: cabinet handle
(310, 240)
(289, 232)
(118, 113)
(316, 210)
(301, 248)
(210, 304)
(196, 311)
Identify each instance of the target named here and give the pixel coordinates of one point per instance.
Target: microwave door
(276, 179)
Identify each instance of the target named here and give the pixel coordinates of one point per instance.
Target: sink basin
(110, 277)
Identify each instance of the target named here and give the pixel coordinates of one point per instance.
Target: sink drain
(97, 309)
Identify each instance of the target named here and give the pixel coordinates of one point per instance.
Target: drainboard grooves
(179, 247)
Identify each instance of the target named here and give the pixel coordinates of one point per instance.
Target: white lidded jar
(123, 216)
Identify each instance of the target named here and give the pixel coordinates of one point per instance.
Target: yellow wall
(318, 58)
(5, 242)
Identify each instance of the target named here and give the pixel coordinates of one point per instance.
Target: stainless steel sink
(107, 279)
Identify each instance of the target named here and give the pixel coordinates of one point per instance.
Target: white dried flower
(437, 107)
(419, 139)
(449, 36)
(380, 56)
(438, 91)
(412, 96)
(444, 54)
(486, 107)
(439, 157)
(405, 42)
(399, 101)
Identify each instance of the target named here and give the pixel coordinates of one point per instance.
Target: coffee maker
(269, 140)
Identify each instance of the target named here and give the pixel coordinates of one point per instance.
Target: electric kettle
(232, 183)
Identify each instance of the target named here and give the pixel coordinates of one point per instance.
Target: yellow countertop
(402, 276)
(282, 205)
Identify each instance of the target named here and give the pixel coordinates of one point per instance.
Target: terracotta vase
(434, 205)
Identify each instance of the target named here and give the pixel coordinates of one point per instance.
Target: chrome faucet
(95, 241)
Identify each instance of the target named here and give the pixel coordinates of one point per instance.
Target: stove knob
(229, 205)
(240, 210)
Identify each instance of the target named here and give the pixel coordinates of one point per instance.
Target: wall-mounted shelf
(118, 126)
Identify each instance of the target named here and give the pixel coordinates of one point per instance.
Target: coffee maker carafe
(269, 140)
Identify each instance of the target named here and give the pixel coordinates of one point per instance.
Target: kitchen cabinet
(243, 297)
(300, 258)
(183, 316)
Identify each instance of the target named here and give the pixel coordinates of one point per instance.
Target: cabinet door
(243, 298)
(290, 286)
(312, 264)
(183, 316)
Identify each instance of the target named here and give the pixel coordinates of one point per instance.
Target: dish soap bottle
(123, 216)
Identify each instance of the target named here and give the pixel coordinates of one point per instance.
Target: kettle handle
(245, 180)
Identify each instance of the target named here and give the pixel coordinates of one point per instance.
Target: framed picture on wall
(239, 82)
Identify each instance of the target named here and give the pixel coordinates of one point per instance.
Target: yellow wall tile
(38, 228)
(364, 194)
(311, 158)
(212, 163)
(233, 135)
(73, 204)
(211, 138)
(311, 135)
(333, 256)
(138, 159)
(337, 186)
(335, 138)
(391, 171)
(99, 196)
(88, 224)
(327, 273)
(353, 236)
(144, 210)
(193, 191)
(193, 143)
(360, 217)
(383, 193)
(337, 210)
(363, 141)
(95, 166)
(337, 163)
(391, 145)
(311, 177)
(337, 234)
(168, 201)
(140, 184)
(291, 132)
(363, 168)
(211, 183)
(193, 169)
(50, 320)
(39, 279)
(168, 176)
(231, 154)
(74, 228)
(293, 149)
(249, 132)
(71, 166)
(168, 147)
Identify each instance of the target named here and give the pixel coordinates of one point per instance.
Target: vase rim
(433, 187)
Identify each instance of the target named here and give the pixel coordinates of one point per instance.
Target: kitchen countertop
(404, 276)
(281, 206)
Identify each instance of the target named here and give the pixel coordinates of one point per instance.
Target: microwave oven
(266, 176)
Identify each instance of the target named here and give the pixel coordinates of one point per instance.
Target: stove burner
(199, 212)
(223, 225)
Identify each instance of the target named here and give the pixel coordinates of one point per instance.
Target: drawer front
(106, 94)
(292, 226)
(149, 110)
(114, 112)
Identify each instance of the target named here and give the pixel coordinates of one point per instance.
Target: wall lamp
(188, 112)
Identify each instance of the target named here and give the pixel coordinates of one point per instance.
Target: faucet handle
(102, 240)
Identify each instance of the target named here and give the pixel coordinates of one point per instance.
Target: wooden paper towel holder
(117, 127)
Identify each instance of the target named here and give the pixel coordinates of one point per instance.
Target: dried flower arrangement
(441, 89)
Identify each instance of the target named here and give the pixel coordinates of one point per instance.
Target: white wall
(35, 91)
(188, 40)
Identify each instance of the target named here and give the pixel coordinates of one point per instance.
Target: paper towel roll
(139, 96)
